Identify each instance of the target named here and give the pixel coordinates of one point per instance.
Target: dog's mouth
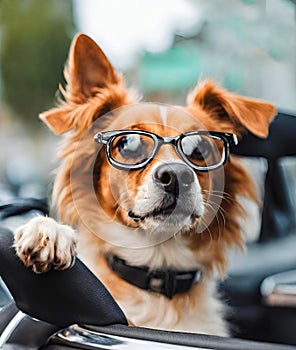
(163, 212)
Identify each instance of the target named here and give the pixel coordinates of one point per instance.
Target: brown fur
(93, 89)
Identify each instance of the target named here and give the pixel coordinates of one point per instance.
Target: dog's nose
(174, 177)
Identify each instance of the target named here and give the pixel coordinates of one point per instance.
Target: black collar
(166, 282)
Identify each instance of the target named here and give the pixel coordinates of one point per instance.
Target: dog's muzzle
(174, 193)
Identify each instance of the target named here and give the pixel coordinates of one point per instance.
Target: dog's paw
(43, 244)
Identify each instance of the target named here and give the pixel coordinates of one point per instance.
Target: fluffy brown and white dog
(155, 228)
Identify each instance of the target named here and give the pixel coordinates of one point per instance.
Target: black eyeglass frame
(107, 137)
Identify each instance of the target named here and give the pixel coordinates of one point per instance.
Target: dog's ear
(87, 68)
(87, 71)
(57, 120)
(243, 112)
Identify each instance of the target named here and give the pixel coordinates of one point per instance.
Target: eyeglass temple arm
(232, 139)
(99, 137)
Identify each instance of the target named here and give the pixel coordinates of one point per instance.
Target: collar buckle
(155, 282)
(164, 282)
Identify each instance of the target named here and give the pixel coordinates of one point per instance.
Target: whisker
(206, 228)
(218, 212)
(219, 194)
(216, 217)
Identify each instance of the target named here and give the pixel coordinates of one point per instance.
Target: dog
(146, 194)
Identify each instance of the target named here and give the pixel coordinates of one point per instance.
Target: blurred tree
(35, 38)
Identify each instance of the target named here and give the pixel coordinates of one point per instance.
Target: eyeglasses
(134, 149)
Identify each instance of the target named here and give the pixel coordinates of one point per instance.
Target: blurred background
(162, 47)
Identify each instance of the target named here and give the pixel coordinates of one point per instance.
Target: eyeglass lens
(203, 150)
(132, 149)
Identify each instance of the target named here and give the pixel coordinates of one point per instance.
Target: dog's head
(156, 169)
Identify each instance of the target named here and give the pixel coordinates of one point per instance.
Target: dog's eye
(129, 145)
(132, 149)
(196, 147)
